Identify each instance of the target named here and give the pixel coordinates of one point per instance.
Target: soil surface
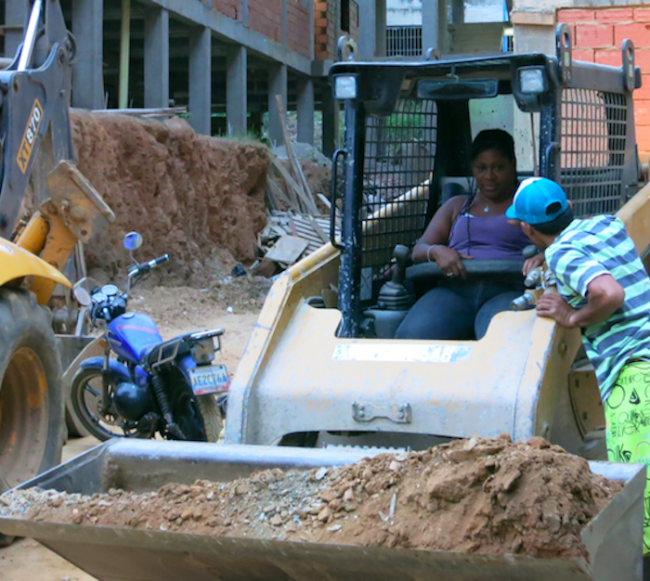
(186, 194)
(478, 495)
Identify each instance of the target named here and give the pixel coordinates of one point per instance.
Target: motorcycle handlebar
(157, 261)
(145, 267)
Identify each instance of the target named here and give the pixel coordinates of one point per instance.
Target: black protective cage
(403, 137)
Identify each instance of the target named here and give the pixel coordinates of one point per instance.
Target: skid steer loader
(46, 207)
(318, 373)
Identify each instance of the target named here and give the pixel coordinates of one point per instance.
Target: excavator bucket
(612, 539)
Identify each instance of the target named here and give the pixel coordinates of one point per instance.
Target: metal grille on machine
(593, 135)
(399, 157)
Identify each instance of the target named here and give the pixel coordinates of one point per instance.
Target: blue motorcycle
(144, 385)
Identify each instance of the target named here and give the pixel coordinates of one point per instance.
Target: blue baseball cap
(537, 201)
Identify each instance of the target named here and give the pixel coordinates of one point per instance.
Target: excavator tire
(212, 418)
(32, 424)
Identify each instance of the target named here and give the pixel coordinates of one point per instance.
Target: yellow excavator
(47, 210)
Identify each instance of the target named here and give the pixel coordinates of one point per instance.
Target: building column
(201, 80)
(306, 110)
(331, 112)
(16, 16)
(381, 23)
(236, 91)
(372, 28)
(277, 86)
(458, 11)
(88, 70)
(367, 44)
(434, 26)
(156, 57)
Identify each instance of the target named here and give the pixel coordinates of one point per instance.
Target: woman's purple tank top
(487, 238)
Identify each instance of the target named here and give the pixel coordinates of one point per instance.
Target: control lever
(394, 296)
(401, 254)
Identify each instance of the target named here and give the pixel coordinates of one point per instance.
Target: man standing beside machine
(604, 291)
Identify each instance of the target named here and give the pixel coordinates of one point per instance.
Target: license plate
(209, 379)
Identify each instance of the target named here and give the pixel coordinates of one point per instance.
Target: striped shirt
(585, 250)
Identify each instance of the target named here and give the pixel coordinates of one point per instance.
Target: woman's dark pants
(458, 310)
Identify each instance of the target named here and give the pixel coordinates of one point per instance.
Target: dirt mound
(487, 496)
(186, 194)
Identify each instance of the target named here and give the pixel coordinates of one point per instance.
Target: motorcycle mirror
(82, 296)
(132, 241)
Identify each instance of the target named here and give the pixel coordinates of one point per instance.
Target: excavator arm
(34, 112)
(37, 172)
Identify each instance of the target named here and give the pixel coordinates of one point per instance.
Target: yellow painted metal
(17, 263)
(33, 237)
(76, 201)
(58, 248)
(636, 216)
(73, 213)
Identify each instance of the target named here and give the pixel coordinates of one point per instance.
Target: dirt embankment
(487, 496)
(186, 194)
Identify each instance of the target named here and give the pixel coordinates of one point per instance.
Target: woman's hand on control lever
(449, 261)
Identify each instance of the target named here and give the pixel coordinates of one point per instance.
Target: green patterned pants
(627, 413)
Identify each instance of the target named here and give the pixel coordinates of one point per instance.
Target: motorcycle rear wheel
(212, 416)
(86, 393)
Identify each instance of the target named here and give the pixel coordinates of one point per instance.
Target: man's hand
(555, 307)
(533, 262)
(604, 297)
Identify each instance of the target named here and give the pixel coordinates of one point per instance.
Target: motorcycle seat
(167, 349)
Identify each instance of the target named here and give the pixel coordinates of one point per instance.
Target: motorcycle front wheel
(86, 395)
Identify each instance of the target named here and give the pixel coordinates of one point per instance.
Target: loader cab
(315, 374)
(409, 129)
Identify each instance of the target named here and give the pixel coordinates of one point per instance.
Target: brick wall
(298, 28)
(598, 36)
(231, 8)
(354, 20)
(325, 29)
(265, 16)
(327, 26)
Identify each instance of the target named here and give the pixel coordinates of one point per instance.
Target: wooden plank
(301, 179)
(294, 188)
(316, 226)
(287, 249)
